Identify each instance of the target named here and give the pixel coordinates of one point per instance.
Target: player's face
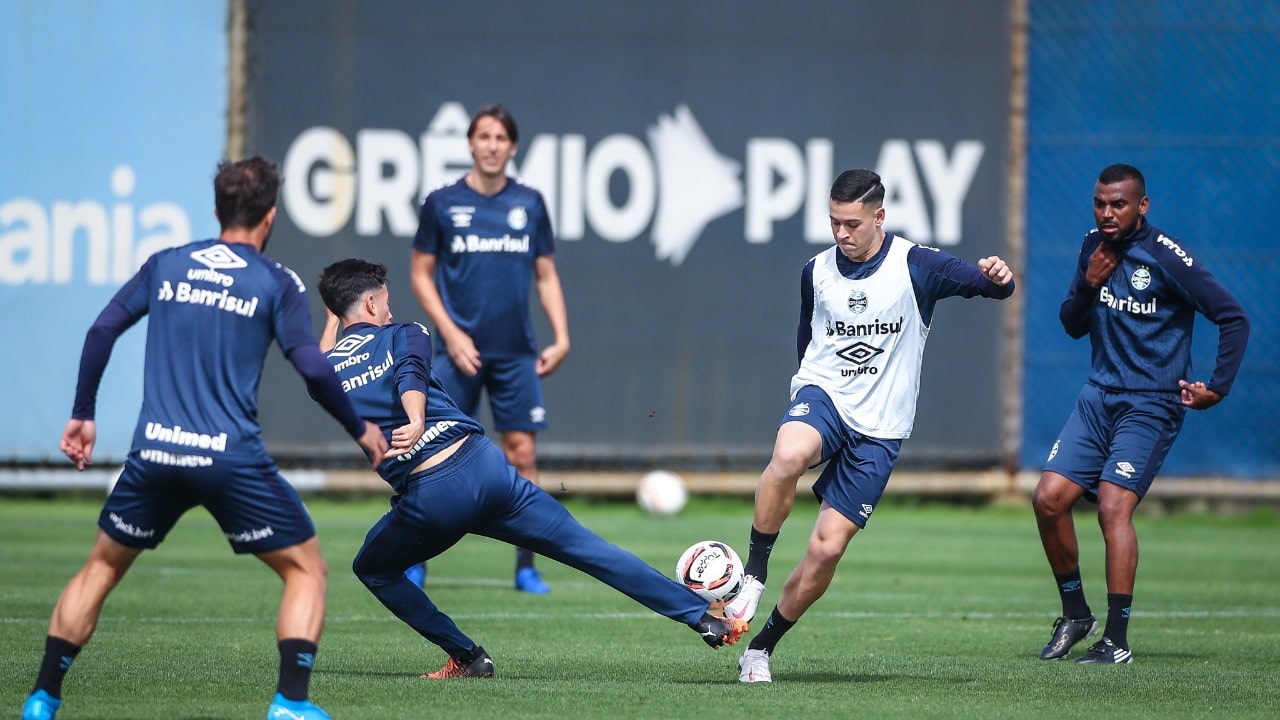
(1117, 208)
(856, 228)
(491, 147)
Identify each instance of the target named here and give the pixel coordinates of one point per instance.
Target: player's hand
(374, 444)
(1101, 264)
(406, 436)
(995, 270)
(78, 438)
(550, 358)
(463, 353)
(1198, 397)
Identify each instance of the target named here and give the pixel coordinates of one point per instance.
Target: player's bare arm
(462, 349)
(551, 295)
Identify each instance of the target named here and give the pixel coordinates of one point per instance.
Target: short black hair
(1120, 172)
(343, 283)
(858, 186)
(244, 191)
(499, 113)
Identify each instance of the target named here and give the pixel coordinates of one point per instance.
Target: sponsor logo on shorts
(866, 510)
(1124, 469)
(799, 410)
(538, 415)
(160, 457)
(129, 528)
(247, 536)
(1053, 452)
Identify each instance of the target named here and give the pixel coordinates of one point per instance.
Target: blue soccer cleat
(417, 574)
(528, 580)
(40, 705)
(283, 708)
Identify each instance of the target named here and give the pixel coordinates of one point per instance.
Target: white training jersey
(867, 343)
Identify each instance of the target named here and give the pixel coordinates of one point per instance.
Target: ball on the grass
(662, 493)
(712, 569)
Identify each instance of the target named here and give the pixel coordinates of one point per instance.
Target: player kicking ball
(451, 481)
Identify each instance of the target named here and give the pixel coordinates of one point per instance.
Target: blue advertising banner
(114, 122)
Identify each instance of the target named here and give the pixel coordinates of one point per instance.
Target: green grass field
(936, 612)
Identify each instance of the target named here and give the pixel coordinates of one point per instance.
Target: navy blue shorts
(858, 466)
(1115, 437)
(515, 391)
(256, 508)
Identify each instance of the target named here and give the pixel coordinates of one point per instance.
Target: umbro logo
(1125, 469)
(218, 257)
(350, 344)
(859, 353)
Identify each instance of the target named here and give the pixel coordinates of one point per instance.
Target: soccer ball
(662, 493)
(711, 569)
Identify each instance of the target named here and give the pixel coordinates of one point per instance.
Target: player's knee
(1047, 502)
(825, 553)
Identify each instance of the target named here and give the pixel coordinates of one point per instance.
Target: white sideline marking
(1272, 612)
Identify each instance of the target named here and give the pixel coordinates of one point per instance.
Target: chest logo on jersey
(875, 327)
(858, 302)
(518, 218)
(461, 216)
(1141, 278)
(1126, 304)
(476, 244)
(860, 353)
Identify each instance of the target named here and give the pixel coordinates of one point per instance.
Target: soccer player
(479, 244)
(1135, 293)
(450, 480)
(866, 306)
(215, 307)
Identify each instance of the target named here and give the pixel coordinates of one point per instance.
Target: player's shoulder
(522, 192)
(1167, 249)
(447, 190)
(284, 276)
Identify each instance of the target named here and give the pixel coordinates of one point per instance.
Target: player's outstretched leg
(40, 705)
(283, 708)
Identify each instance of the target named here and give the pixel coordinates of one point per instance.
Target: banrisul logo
(665, 181)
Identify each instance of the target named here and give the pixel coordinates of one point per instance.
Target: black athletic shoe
(1066, 633)
(720, 631)
(1104, 651)
(479, 665)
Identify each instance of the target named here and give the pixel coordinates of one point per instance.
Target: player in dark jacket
(1135, 293)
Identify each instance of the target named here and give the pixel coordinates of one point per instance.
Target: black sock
(774, 629)
(524, 558)
(1071, 588)
(58, 656)
(758, 550)
(297, 657)
(1118, 619)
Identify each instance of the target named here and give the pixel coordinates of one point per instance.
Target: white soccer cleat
(743, 607)
(753, 667)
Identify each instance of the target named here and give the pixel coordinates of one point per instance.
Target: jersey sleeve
(1216, 303)
(324, 387)
(413, 358)
(544, 238)
(293, 314)
(804, 332)
(1074, 312)
(937, 274)
(126, 308)
(427, 239)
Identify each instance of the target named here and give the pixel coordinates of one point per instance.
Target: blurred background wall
(686, 151)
